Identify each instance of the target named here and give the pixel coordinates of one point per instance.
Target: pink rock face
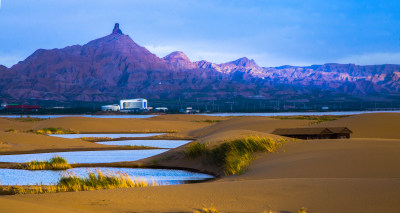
(180, 61)
(115, 67)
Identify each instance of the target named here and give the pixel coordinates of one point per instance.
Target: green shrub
(234, 155)
(195, 149)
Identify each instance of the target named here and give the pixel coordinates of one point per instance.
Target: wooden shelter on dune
(315, 132)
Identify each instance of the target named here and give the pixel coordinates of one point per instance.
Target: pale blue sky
(272, 32)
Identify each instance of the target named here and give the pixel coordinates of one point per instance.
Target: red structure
(24, 108)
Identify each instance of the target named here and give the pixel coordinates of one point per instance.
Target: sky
(272, 32)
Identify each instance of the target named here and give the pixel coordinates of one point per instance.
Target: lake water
(166, 144)
(86, 156)
(160, 176)
(117, 135)
(211, 114)
(297, 113)
(89, 116)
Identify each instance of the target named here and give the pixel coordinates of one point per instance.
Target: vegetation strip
(54, 163)
(53, 130)
(95, 181)
(233, 155)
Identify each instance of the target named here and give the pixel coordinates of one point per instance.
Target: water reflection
(167, 144)
(160, 176)
(117, 135)
(87, 156)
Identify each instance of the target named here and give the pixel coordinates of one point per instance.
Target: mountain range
(115, 67)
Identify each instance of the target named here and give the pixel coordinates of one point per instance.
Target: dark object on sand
(315, 133)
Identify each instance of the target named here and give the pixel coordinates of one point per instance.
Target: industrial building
(128, 105)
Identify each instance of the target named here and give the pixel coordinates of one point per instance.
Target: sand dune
(6, 124)
(325, 176)
(30, 143)
(374, 125)
(349, 175)
(116, 124)
(340, 158)
(259, 124)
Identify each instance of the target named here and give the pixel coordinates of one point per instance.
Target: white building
(163, 109)
(114, 107)
(133, 104)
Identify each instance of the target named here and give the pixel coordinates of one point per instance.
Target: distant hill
(115, 67)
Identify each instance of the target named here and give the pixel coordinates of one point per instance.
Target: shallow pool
(117, 135)
(86, 156)
(167, 144)
(160, 176)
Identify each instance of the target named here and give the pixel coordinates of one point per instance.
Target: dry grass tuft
(302, 210)
(195, 149)
(207, 210)
(54, 163)
(12, 130)
(52, 130)
(96, 139)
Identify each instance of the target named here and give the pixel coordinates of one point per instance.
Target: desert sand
(349, 175)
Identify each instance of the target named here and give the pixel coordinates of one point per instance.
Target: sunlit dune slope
(259, 124)
(374, 125)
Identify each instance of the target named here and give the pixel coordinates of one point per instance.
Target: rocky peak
(244, 62)
(177, 56)
(116, 29)
(179, 60)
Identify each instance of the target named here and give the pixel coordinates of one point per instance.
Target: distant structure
(21, 107)
(161, 109)
(112, 108)
(128, 105)
(133, 104)
(315, 133)
(189, 110)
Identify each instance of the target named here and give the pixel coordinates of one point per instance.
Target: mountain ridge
(114, 67)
